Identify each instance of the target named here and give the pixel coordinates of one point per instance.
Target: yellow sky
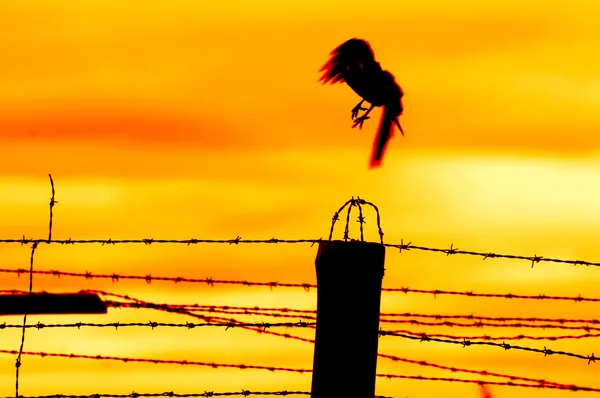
(205, 119)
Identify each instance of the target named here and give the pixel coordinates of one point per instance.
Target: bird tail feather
(384, 133)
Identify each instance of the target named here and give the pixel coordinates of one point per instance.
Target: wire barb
(52, 203)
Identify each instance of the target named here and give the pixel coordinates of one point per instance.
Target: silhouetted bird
(353, 62)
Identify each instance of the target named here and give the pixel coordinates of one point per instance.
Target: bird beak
(399, 127)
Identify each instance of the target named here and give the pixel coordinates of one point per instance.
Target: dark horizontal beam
(51, 303)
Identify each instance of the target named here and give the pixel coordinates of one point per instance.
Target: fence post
(349, 277)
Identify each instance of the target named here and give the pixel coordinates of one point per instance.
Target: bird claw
(359, 121)
(357, 109)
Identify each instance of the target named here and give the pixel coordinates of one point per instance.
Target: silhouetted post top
(349, 277)
(51, 303)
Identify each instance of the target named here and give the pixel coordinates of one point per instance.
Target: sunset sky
(205, 119)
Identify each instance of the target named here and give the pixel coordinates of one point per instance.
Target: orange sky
(205, 119)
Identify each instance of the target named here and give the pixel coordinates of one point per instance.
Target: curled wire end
(358, 202)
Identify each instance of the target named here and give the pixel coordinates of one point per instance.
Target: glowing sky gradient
(205, 119)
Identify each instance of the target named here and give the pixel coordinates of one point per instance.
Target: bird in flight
(353, 62)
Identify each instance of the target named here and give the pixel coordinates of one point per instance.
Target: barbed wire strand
(279, 311)
(489, 318)
(114, 277)
(535, 259)
(211, 308)
(295, 313)
(161, 361)
(494, 338)
(284, 393)
(470, 371)
(480, 324)
(153, 325)
(148, 278)
(496, 383)
(413, 322)
(244, 392)
(33, 248)
(511, 296)
(467, 343)
(299, 324)
(213, 365)
(224, 310)
(24, 326)
(149, 241)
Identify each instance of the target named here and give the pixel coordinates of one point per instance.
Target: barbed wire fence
(209, 319)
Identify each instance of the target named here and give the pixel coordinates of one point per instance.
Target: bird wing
(347, 62)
